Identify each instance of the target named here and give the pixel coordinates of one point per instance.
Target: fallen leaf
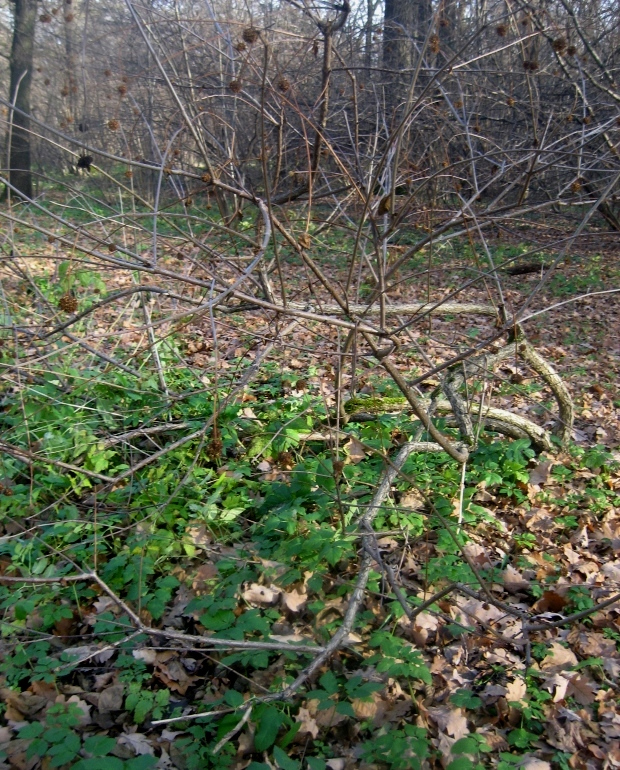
(540, 474)
(294, 600)
(261, 596)
(111, 699)
(533, 763)
(514, 580)
(308, 723)
(582, 690)
(450, 720)
(137, 742)
(516, 691)
(558, 658)
(354, 450)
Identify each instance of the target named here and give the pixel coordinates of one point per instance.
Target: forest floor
(246, 535)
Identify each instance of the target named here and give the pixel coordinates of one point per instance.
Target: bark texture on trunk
(22, 53)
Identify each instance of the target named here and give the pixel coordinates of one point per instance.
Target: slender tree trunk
(22, 52)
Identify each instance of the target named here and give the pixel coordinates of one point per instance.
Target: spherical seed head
(501, 30)
(284, 84)
(571, 50)
(250, 35)
(433, 43)
(69, 17)
(241, 46)
(510, 101)
(111, 248)
(214, 448)
(129, 173)
(68, 303)
(206, 178)
(559, 45)
(188, 201)
(443, 22)
(64, 91)
(45, 18)
(234, 86)
(305, 241)
(113, 125)
(122, 89)
(107, 73)
(576, 186)
(46, 82)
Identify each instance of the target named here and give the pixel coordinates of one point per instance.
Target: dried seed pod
(206, 178)
(122, 89)
(85, 162)
(286, 461)
(188, 201)
(113, 124)
(107, 73)
(46, 82)
(576, 186)
(250, 35)
(128, 173)
(571, 50)
(305, 241)
(510, 101)
(444, 22)
(64, 91)
(384, 205)
(45, 18)
(111, 248)
(559, 45)
(241, 46)
(68, 303)
(283, 84)
(501, 30)
(234, 86)
(69, 17)
(433, 43)
(51, 239)
(214, 448)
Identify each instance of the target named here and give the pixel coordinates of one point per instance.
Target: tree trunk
(399, 26)
(22, 52)
(404, 22)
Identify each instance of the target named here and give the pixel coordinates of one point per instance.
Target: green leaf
(521, 738)
(268, 727)
(100, 763)
(144, 762)
(346, 709)
(233, 698)
(284, 761)
(33, 730)
(99, 745)
(461, 763)
(466, 699)
(466, 745)
(314, 763)
(329, 682)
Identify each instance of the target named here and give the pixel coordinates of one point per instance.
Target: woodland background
(309, 355)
